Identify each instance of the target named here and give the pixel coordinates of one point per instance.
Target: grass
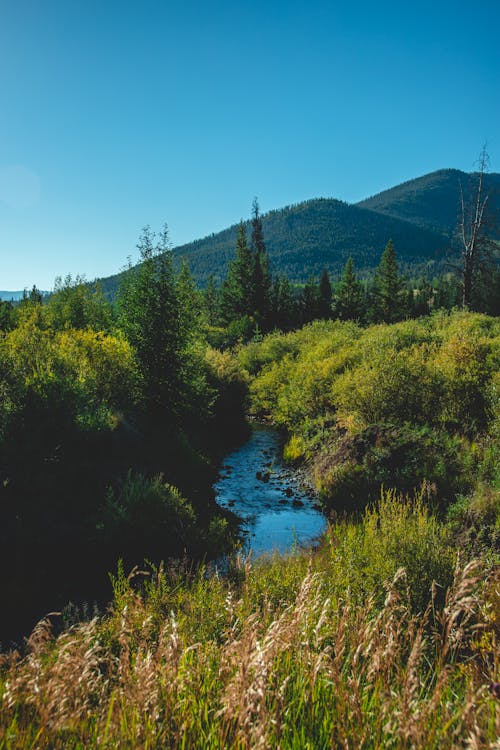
(357, 645)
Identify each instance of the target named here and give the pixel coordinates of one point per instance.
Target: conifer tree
(325, 295)
(309, 301)
(211, 302)
(149, 316)
(189, 299)
(261, 275)
(387, 298)
(237, 293)
(349, 302)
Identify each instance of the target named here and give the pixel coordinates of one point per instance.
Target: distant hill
(11, 296)
(303, 239)
(432, 201)
(420, 216)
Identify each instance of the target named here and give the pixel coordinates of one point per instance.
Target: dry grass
(282, 657)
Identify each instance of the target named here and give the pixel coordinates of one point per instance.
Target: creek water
(278, 511)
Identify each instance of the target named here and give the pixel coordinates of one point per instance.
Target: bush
(396, 532)
(144, 517)
(351, 470)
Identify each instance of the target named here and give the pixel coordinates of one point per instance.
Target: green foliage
(351, 469)
(389, 405)
(349, 299)
(387, 303)
(151, 318)
(146, 518)
(395, 533)
(75, 304)
(237, 292)
(377, 640)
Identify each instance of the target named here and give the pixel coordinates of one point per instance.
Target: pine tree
(261, 275)
(350, 302)
(211, 302)
(387, 299)
(325, 295)
(149, 315)
(237, 293)
(309, 301)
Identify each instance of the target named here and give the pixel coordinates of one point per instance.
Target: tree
(325, 295)
(261, 275)
(283, 304)
(76, 304)
(309, 301)
(6, 315)
(387, 303)
(476, 246)
(349, 301)
(211, 302)
(149, 315)
(237, 293)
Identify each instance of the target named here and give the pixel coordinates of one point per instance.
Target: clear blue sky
(118, 114)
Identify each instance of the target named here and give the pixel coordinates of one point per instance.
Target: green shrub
(396, 532)
(144, 517)
(351, 470)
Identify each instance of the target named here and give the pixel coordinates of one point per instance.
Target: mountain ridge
(419, 215)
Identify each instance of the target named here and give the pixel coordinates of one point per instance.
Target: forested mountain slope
(303, 239)
(420, 216)
(433, 200)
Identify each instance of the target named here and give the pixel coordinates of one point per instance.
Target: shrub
(145, 517)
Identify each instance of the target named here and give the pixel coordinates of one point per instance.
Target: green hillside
(305, 238)
(420, 217)
(433, 200)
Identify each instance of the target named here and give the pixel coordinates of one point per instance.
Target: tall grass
(349, 647)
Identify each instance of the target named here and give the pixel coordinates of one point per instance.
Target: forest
(114, 417)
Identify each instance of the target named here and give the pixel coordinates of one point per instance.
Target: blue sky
(119, 114)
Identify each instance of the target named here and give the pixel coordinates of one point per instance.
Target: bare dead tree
(474, 240)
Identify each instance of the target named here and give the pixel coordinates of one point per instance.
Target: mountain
(11, 296)
(420, 216)
(433, 200)
(305, 238)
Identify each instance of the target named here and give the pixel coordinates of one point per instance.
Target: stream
(278, 511)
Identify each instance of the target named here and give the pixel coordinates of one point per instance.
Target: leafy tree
(75, 304)
(350, 302)
(387, 290)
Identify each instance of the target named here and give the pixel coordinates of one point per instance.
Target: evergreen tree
(325, 295)
(283, 307)
(76, 304)
(261, 275)
(6, 315)
(237, 293)
(387, 298)
(211, 302)
(309, 302)
(350, 298)
(149, 315)
(190, 303)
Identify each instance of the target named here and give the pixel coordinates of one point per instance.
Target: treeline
(111, 422)
(251, 301)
